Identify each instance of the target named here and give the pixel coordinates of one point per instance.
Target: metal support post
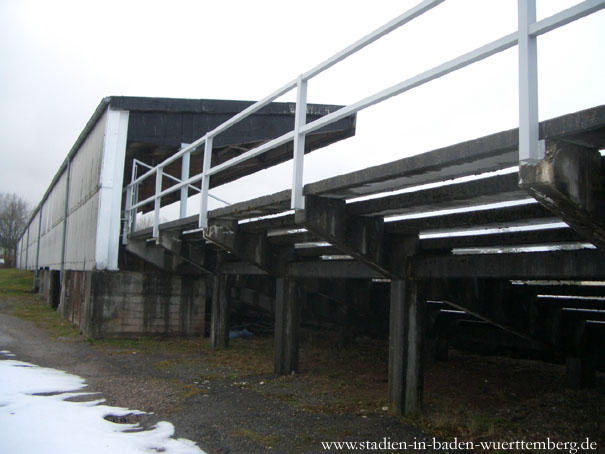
(300, 120)
(203, 221)
(184, 176)
(38, 240)
(530, 151)
(158, 202)
(127, 215)
(66, 214)
(133, 215)
(26, 252)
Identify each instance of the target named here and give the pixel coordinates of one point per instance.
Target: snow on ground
(35, 417)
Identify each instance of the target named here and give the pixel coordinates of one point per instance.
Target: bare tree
(14, 212)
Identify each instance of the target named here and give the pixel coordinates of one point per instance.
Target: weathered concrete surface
(54, 289)
(569, 182)
(522, 214)
(551, 236)
(359, 237)
(493, 152)
(219, 322)
(583, 264)
(406, 347)
(288, 305)
(125, 303)
(494, 189)
(157, 256)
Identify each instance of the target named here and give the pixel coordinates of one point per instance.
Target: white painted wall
(110, 190)
(51, 234)
(83, 200)
(93, 179)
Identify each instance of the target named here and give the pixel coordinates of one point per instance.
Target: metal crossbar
(530, 149)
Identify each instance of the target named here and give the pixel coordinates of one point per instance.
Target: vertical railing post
(133, 215)
(127, 215)
(203, 221)
(185, 189)
(530, 150)
(300, 120)
(158, 202)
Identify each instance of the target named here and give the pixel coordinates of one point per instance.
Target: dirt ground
(229, 401)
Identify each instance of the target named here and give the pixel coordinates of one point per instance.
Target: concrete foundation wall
(123, 303)
(43, 283)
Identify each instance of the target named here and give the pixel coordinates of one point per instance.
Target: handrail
(529, 149)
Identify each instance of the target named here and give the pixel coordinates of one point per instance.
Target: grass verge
(15, 282)
(17, 299)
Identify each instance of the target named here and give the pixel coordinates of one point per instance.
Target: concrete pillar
(219, 320)
(54, 289)
(406, 338)
(580, 372)
(288, 303)
(36, 283)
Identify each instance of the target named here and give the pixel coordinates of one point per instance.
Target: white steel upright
(203, 221)
(530, 151)
(158, 202)
(297, 202)
(185, 189)
(128, 215)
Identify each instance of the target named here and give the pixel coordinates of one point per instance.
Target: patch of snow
(36, 417)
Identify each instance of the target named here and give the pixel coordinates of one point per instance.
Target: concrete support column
(36, 283)
(219, 321)
(288, 303)
(580, 372)
(54, 289)
(406, 338)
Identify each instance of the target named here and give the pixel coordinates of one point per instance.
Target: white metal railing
(530, 149)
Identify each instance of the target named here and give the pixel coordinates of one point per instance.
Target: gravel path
(221, 414)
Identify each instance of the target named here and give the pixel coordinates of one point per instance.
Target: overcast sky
(59, 58)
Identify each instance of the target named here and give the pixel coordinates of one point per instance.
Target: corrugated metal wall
(79, 184)
(51, 229)
(27, 247)
(84, 201)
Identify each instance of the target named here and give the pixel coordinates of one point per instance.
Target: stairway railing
(530, 148)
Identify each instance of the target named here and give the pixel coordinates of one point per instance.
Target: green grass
(33, 309)
(13, 281)
(19, 301)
